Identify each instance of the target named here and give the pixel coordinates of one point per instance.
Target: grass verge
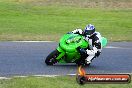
(53, 82)
(43, 20)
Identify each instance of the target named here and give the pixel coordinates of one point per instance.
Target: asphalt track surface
(27, 58)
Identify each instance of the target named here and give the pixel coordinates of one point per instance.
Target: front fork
(62, 53)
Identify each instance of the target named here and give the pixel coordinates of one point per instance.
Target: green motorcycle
(67, 51)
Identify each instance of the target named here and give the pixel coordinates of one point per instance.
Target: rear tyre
(82, 62)
(87, 64)
(51, 58)
(81, 80)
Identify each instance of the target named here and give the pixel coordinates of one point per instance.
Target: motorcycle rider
(94, 48)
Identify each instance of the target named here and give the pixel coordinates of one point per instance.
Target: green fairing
(69, 43)
(103, 42)
(67, 46)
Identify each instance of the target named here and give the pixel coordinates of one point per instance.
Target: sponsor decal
(83, 78)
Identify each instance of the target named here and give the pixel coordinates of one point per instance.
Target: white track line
(1, 78)
(46, 75)
(21, 76)
(112, 47)
(54, 41)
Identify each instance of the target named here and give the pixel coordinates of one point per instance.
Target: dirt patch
(82, 3)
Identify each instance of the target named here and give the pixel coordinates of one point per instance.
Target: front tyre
(51, 58)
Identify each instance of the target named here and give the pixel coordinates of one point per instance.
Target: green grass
(41, 20)
(55, 82)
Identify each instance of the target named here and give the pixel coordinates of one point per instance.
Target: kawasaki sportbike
(67, 51)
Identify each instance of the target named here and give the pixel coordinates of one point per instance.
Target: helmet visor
(88, 32)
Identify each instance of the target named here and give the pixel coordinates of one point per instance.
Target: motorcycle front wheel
(51, 58)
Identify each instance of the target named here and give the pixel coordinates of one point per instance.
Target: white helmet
(89, 29)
